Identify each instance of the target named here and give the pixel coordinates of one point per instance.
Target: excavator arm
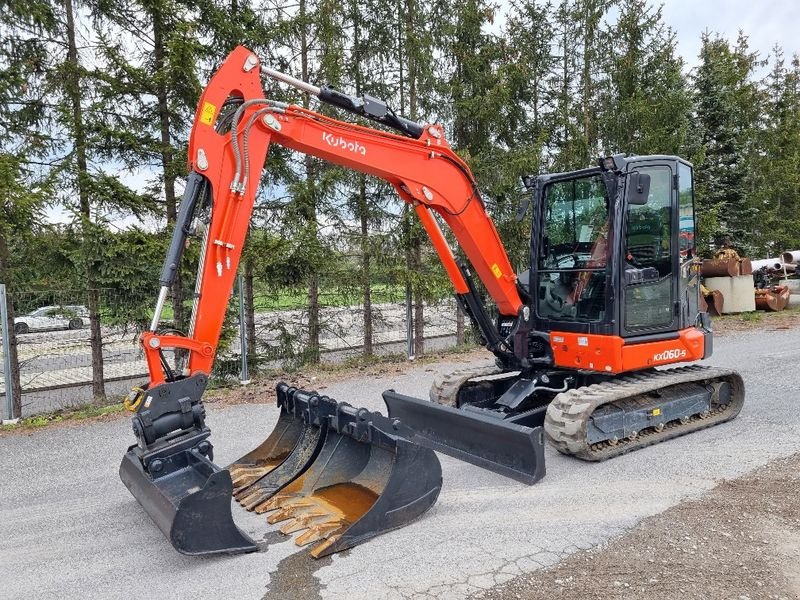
(226, 165)
(342, 474)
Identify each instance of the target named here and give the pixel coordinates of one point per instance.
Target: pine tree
(151, 81)
(775, 187)
(645, 100)
(26, 28)
(727, 103)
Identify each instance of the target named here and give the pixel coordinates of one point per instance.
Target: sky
(765, 22)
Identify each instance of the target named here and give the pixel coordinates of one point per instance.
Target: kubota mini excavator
(611, 294)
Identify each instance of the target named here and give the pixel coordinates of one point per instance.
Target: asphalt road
(69, 529)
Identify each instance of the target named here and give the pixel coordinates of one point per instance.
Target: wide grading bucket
(350, 476)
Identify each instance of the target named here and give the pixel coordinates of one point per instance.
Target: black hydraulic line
(472, 304)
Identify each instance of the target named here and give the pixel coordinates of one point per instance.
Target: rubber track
(568, 414)
(445, 387)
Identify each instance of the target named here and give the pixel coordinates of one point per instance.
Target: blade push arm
(424, 170)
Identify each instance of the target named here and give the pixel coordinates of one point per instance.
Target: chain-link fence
(59, 366)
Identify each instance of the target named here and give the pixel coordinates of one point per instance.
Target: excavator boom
(341, 474)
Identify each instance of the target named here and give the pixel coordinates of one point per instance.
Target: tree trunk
(73, 89)
(412, 49)
(311, 210)
(362, 203)
(419, 305)
(366, 274)
(313, 320)
(167, 155)
(13, 357)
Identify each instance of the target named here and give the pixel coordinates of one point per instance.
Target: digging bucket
(188, 497)
(258, 475)
(292, 433)
(510, 449)
(366, 479)
(171, 474)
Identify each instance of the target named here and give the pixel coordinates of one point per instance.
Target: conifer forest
(97, 99)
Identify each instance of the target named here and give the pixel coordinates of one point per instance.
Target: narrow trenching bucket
(288, 433)
(171, 474)
(303, 425)
(365, 477)
(188, 497)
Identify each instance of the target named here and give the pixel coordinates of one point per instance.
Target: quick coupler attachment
(171, 474)
(510, 449)
(351, 475)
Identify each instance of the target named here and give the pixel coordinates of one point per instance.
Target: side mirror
(638, 189)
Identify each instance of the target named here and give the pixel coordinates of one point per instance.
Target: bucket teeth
(321, 531)
(290, 510)
(304, 521)
(256, 502)
(244, 476)
(319, 549)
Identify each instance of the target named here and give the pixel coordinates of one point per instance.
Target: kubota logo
(669, 355)
(340, 142)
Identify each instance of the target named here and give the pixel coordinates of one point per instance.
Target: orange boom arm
(425, 172)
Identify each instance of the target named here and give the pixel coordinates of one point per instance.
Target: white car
(52, 317)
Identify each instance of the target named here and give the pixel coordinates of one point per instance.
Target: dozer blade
(509, 449)
(187, 496)
(366, 479)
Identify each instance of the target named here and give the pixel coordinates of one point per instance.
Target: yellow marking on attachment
(207, 113)
(496, 270)
(656, 412)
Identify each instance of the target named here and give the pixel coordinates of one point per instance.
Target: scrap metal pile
(729, 278)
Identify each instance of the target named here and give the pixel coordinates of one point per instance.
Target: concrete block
(738, 292)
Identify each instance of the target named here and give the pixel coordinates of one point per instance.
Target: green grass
(77, 414)
(750, 317)
(264, 300)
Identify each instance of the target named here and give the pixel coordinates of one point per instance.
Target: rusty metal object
(715, 302)
(774, 299)
(350, 476)
(745, 266)
(720, 267)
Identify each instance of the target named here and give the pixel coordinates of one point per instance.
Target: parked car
(52, 317)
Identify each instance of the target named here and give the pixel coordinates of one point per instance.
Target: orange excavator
(611, 294)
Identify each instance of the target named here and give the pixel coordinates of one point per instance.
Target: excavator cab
(609, 256)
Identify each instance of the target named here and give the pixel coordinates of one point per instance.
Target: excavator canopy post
(363, 476)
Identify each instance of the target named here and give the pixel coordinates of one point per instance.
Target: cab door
(649, 252)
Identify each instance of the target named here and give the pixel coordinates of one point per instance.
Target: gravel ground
(740, 541)
(68, 527)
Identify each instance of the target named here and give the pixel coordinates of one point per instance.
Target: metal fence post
(6, 353)
(409, 324)
(244, 377)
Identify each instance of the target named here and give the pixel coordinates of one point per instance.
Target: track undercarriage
(595, 417)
